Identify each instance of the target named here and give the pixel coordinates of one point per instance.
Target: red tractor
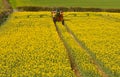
(57, 16)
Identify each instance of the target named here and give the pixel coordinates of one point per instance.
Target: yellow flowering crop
(30, 47)
(82, 59)
(101, 34)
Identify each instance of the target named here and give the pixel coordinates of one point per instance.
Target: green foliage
(68, 3)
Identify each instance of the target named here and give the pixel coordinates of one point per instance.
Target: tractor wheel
(54, 21)
(63, 22)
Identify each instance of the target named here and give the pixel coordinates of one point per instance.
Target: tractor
(57, 16)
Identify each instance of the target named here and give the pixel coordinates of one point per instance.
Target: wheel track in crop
(88, 51)
(70, 56)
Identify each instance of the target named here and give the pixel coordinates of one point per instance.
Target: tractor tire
(54, 20)
(63, 22)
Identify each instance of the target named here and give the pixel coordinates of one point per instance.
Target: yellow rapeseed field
(30, 45)
(100, 32)
(82, 59)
